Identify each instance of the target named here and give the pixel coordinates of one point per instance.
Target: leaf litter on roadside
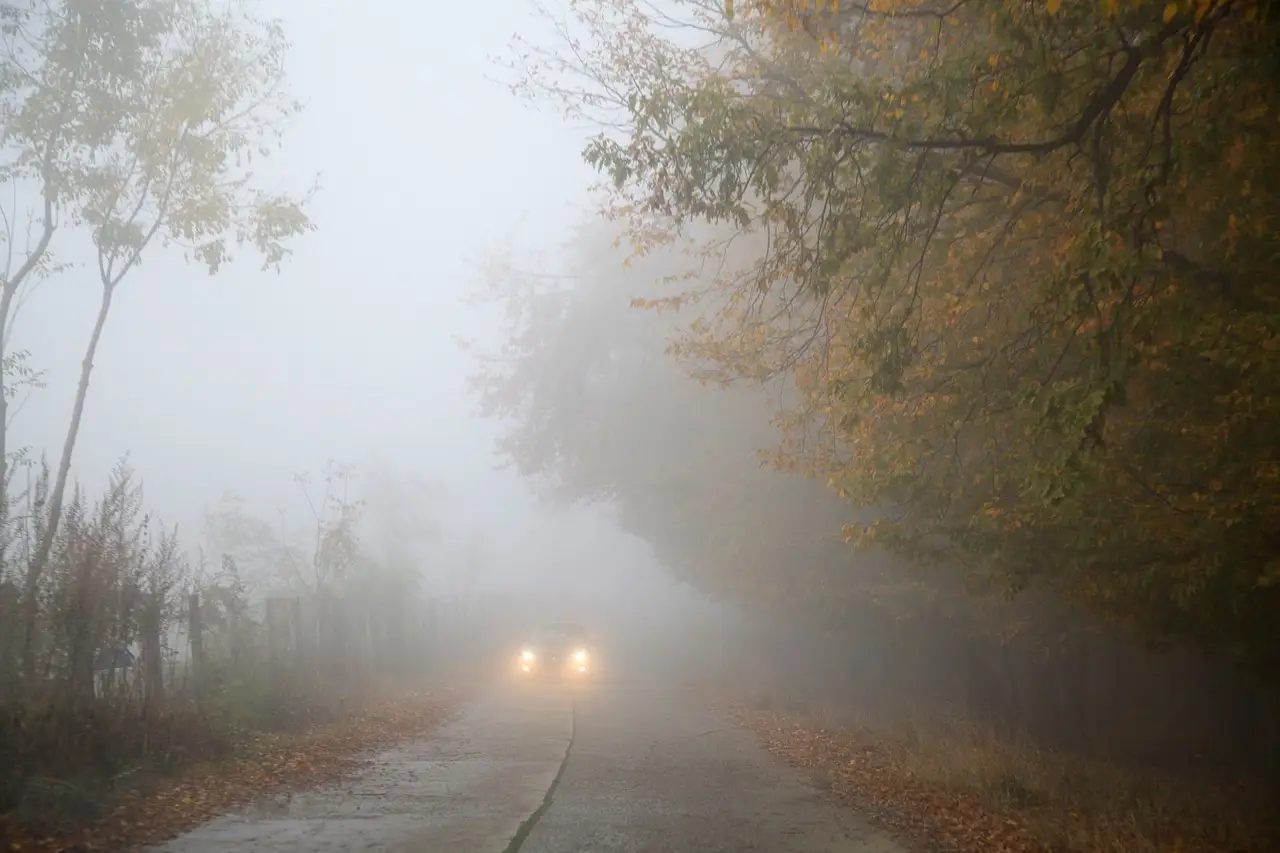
(932, 815)
(270, 764)
(864, 777)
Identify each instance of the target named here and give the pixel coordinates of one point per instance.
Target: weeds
(963, 787)
(144, 805)
(123, 665)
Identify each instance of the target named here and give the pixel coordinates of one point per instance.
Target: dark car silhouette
(557, 648)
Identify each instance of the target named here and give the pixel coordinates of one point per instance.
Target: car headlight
(580, 656)
(526, 655)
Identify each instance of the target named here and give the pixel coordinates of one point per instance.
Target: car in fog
(557, 648)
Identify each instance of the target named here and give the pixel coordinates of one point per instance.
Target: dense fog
(241, 380)
(784, 369)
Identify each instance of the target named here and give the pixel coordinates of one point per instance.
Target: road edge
(528, 824)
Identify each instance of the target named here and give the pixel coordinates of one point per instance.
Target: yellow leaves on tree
(1022, 287)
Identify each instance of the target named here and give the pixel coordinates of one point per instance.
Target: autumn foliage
(130, 128)
(1014, 259)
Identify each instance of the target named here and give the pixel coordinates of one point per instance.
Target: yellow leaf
(1169, 11)
(1053, 6)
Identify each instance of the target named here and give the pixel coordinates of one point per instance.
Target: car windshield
(560, 633)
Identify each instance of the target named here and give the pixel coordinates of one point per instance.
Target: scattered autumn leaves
(863, 776)
(871, 776)
(270, 763)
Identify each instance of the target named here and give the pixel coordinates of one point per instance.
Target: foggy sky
(242, 379)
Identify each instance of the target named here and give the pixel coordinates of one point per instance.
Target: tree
(400, 520)
(1017, 267)
(139, 122)
(236, 539)
(596, 411)
(335, 519)
(23, 380)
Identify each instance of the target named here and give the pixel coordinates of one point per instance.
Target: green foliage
(142, 120)
(136, 122)
(1015, 259)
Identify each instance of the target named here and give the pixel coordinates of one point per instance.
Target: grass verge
(150, 804)
(966, 790)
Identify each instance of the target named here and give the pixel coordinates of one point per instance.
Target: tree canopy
(1015, 259)
(599, 412)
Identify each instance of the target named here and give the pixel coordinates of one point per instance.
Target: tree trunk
(195, 631)
(152, 658)
(7, 612)
(1266, 733)
(6, 304)
(982, 689)
(31, 608)
(81, 649)
(297, 632)
(234, 630)
(275, 650)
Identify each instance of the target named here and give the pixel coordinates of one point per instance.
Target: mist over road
(618, 765)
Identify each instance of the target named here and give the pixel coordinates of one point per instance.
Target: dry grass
(960, 787)
(1077, 804)
(148, 804)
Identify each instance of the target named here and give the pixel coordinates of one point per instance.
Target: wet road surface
(467, 787)
(614, 766)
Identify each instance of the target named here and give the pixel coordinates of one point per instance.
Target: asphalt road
(613, 766)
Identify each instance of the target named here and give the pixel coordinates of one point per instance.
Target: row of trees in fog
(128, 128)
(994, 277)
(133, 129)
